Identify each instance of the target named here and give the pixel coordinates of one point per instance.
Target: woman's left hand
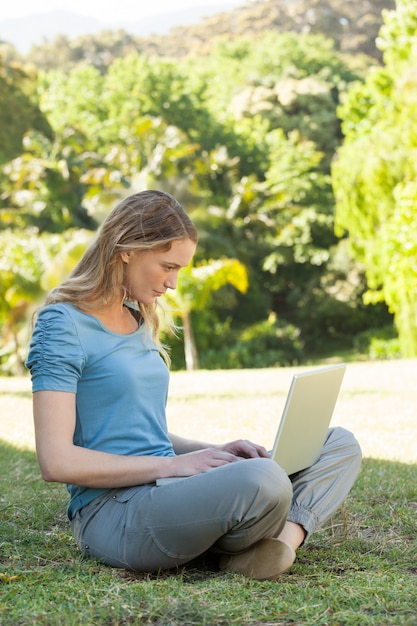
(245, 449)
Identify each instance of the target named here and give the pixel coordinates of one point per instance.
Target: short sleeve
(55, 357)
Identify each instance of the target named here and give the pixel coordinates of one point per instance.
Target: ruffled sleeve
(56, 357)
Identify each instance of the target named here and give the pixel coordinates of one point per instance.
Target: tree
(44, 187)
(195, 287)
(22, 261)
(19, 109)
(255, 178)
(98, 51)
(375, 173)
(30, 265)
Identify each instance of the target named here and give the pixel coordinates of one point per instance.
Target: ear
(125, 256)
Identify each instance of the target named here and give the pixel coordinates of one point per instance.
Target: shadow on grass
(363, 560)
(380, 513)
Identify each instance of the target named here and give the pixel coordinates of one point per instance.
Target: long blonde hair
(148, 220)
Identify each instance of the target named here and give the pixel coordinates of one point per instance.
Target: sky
(104, 10)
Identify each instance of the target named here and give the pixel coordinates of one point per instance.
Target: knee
(345, 442)
(268, 480)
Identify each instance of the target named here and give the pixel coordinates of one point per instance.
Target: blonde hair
(148, 220)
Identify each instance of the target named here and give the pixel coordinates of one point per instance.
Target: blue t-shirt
(120, 382)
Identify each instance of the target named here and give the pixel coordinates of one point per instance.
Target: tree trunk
(190, 350)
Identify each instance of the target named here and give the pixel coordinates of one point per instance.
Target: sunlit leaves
(198, 283)
(374, 175)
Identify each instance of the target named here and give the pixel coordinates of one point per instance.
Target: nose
(171, 281)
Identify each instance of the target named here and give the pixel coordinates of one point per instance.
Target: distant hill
(353, 25)
(24, 32)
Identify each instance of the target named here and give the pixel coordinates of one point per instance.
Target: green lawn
(360, 569)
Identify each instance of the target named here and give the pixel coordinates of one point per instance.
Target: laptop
(306, 417)
(305, 420)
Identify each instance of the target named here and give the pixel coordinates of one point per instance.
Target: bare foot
(292, 534)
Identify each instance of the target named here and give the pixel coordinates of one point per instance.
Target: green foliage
(195, 288)
(98, 51)
(379, 344)
(30, 265)
(242, 137)
(288, 81)
(73, 100)
(375, 172)
(197, 284)
(52, 184)
(398, 34)
(19, 110)
(269, 343)
(22, 261)
(292, 55)
(22, 257)
(380, 349)
(72, 246)
(298, 203)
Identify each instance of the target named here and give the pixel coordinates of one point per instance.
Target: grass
(360, 569)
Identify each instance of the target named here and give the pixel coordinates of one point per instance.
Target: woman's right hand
(200, 461)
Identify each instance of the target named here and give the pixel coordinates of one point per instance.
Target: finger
(250, 450)
(262, 452)
(258, 450)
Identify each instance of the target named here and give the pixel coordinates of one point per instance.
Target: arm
(183, 446)
(62, 461)
(241, 448)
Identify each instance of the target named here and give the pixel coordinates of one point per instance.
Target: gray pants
(226, 510)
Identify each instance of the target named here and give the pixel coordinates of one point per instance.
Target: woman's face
(148, 274)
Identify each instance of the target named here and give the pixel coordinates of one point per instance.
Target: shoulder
(60, 315)
(55, 332)
(56, 311)
(56, 355)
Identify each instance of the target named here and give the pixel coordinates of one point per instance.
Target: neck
(119, 315)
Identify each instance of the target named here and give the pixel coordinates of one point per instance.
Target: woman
(99, 394)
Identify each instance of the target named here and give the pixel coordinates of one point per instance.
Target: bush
(379, 344)
(385, 349)
(264, 344)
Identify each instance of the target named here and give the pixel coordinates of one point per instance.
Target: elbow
(57, 464)
(51, 472)
(49, 476)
